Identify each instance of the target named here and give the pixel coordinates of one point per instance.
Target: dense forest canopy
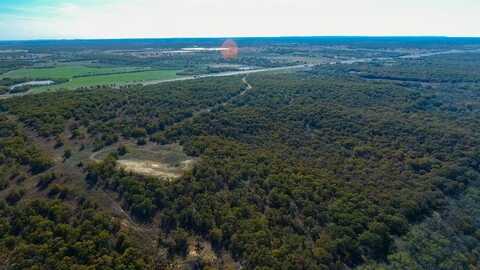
(369, 165)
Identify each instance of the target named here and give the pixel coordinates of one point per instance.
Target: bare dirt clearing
(165, 161)
(157, 169)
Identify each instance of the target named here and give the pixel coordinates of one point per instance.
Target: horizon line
(239, 37)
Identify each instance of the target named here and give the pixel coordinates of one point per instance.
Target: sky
(72, 19)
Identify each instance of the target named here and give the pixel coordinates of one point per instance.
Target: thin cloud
(151, 18)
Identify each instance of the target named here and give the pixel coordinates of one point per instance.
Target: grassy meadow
(65, 72)
(71, 77)
(111, 79)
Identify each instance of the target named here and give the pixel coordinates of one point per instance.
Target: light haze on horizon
(44, 19)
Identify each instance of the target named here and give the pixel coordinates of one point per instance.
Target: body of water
(32, 83)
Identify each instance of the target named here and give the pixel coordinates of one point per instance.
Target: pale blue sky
(38, 19)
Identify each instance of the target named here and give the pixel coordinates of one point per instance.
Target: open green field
(112, 79)
(65, 72)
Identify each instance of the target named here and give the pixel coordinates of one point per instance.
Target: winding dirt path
(248, 88)
(94, 155)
